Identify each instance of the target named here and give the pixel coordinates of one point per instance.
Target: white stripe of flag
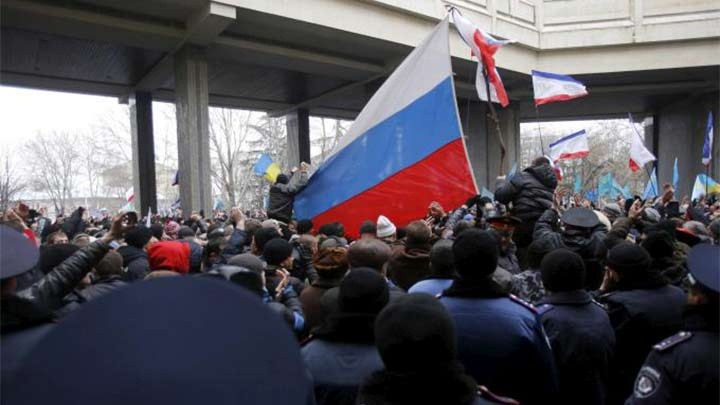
(573, 146)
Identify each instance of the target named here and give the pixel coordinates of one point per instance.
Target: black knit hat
(157, 231)
(263, 235)
(476, 254)
(628, 258)
(364, 291)
(185, 231)
(139, 236)
(658, 244)
(563, 270)
(415, 333)
(276, 251)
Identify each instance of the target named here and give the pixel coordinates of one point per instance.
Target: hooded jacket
(136, 262)
(408, 265)
(282, 197)
(531, 192)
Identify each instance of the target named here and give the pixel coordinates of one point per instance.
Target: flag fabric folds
(573, 146)
(483, 46)
(551, 87)
(676, 175)
(639, 154)
(267, 168)
(704, 185)
(708, 143)
(130, 195)
(651, 188)
(404, 150)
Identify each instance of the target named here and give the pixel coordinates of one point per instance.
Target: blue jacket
(338, 369)
(583, 341)
(502, 345)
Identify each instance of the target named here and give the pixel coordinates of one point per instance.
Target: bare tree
(229, 130)
(54, 159)
(11, 183)
(331, 131)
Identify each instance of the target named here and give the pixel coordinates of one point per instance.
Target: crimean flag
(573, 146)
(130, 195)
(639, 154)
(403, 151)
(267, 168)
(483, 46)
(708, 143)
(550, 87)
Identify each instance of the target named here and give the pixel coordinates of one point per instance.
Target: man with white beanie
(386, 230)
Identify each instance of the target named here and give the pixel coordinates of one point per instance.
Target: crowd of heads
(235, 277)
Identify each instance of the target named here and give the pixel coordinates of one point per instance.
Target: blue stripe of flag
(567, 138)
(555, 76)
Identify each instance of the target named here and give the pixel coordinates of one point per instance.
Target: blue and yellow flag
(267, 168)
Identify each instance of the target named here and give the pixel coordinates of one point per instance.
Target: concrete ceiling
(258, 61)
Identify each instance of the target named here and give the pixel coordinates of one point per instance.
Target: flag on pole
(676, 175)
(404, 150)
(577, 187)
(639, 155)
(551, 87)
(130, 195)
(148, 221)
(708, 144)
(483, 46)
(267, 168)
(605, 186)
(176, 178)
(573, 146)
(622, 190)
(704, 185)
(651, 188)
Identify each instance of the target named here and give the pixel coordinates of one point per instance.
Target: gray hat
(580, 217)
(612, 209)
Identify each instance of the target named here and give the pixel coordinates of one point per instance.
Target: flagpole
(537, 119)
(493, 116)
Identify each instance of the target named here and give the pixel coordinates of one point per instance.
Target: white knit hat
(385, 228)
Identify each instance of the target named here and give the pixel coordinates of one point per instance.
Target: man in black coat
(531, 192)
(578, 328)
(282, 193)
(134, 256)
(643, 309)
(105, 277)
(684, 367)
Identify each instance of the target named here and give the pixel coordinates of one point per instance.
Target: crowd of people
(534, 297)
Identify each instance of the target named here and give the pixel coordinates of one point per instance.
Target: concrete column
(298, 137)
(680, 133)
(191, 104)
(472, 119)
(482, 142)
(143, 148)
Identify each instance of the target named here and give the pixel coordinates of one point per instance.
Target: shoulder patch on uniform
(487, 394)
(673, 341)
(524, 303)
(647, 383)
(544, 308)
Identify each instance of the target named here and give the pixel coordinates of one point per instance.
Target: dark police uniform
(582, 340)
(684, 367)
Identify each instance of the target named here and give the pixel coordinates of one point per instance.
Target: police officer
(684, 367)
(579, 330)
(582, 232)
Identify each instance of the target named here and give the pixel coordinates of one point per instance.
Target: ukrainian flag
(704, 185)
(267, 168)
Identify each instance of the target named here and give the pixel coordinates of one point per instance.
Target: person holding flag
(282, 193)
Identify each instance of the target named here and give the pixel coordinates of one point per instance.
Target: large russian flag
(404, 150)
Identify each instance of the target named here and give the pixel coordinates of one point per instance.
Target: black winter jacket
(98, 288)
(531, 192)
(136, 262)
(282, 197)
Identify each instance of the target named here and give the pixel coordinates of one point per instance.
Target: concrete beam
(313, 101)
(202, 28)
(143, 148)
(191, 103)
